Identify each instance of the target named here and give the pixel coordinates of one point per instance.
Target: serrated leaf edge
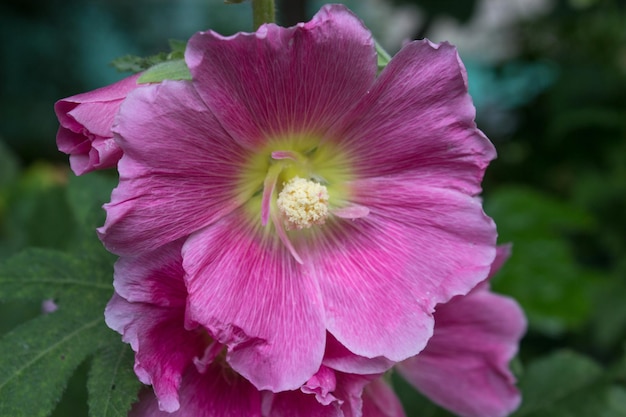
(120, 356)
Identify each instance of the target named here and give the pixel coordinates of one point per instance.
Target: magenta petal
(155, 278)
(164, 349)
(178, 172)
(379, 400)
(216, 393)
(247, 290)
(298, 404)
(339, 358)
(465, 364)
(350, 392)
(418, 119)
(503, 252)
(72, 116)
(86, 121)
(278, 81)
(149, 312)
(381, 276)
(346, 398)
(322, 384)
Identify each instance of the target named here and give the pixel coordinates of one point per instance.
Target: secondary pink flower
(379, 400)
(186, 367)
(465, 366)
(312, 195)
(86, 120)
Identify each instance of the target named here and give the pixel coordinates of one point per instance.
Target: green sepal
(383, 56)
(178, 49)
(169, 70)
(133, 63)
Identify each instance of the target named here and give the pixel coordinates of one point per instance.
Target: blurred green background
(548, 78)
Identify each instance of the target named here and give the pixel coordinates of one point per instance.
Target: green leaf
(543, 274)
(169, 70)
(38, 274)
(38, 213)
(86, 195)
(527, 213)
(112, 384)
(178, 48)
(608, 325)
(39, 357)
(617, 401)
(566, 384)
(554, 379)
(8, 167)
(132, 63)
(129, 63)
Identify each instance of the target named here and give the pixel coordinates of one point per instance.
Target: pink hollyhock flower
(312, 195)
(379, 400)
(186, 367)
(464, 366)
(86, 120)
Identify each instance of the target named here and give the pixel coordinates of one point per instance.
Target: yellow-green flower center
(295, 184)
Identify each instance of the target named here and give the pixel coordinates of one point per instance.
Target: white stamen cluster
(303, 203)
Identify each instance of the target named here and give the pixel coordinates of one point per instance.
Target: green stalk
(263, 11)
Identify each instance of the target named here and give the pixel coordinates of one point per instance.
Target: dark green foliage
(543, 273)
(568, 384)
(40, 355)
(112, 383)
(132, 63)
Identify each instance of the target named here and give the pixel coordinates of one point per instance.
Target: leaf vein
(44, 352)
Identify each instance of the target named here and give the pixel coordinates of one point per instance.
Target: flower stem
(262, 12)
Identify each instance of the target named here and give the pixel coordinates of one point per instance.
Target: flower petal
(298, 404)
(339, 358)
(247, 290)
(381, 276)
(346, 399)
(280, 81)
(94, 109)
(379, 400)
(155, 278)
(148, 309)
(419, 118)
(217, 393)
(85, 126)
(164, 349)
(465, 364)
(178, 172)
(350, 392)
(322, 384)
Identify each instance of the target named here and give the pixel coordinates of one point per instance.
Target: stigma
(303, 203)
